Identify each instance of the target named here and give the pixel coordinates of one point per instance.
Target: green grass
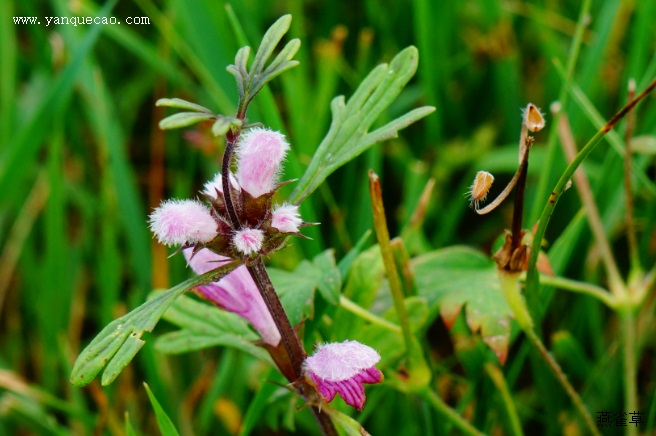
(82, 163)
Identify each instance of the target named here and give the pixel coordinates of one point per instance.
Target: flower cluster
(205, 233)
(190, 223)
(207, 238)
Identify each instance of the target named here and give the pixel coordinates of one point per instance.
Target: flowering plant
(224, 237)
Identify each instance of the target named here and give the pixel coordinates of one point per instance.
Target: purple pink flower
(260, 153)
(183, 222)
(342, 368)
(236, 293)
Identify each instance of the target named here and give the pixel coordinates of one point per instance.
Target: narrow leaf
(118, 342)
(183, 119)
(163, 421)
(285, 55)
(269, 42)
(182, 104)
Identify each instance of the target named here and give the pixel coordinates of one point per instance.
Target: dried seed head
(479, 189)
(533, 118)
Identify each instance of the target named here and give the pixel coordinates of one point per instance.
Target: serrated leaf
(119, 341)
(331, 280)
(458, 276)
(203, 326)
(296, 290)
(164, 423)
(182, 104)
(183, 119)
(349, 134)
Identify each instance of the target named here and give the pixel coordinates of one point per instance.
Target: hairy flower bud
(248, 241)
(260, 153)
(286, 218)
(180, 222)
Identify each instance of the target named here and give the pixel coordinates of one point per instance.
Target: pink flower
(286, 218)
(236, 293)
(248, 241)
(180, 222)
(342, 368)
(260, 153)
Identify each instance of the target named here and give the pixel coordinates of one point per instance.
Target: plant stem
(627, 325)
(359, 311)
(499, 381)
(382, 233)
(563, 97)
(532, 278)
(511, 290)
(231, 141)
(628, 157)
(289, 339)
(597, 292)
(592, 212)
(441, 407)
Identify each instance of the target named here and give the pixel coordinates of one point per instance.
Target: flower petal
(236, 293)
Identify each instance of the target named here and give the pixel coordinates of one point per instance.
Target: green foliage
(165, 424)
(458, 277)
(118, 343)
(349, 134)
(202, 326)
(81, 163)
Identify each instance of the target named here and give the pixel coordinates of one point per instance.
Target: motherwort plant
(236, 221)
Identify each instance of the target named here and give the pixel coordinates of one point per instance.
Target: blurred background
(82, 163)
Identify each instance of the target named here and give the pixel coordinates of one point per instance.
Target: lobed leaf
(458, 277)
(269, 42)
(349, 134)
(119, 341)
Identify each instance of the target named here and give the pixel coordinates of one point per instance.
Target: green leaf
(269, 42)
(457, 276)
(249, 83)
(163, 421)
(331, 281)
(203, 326)
(349, 134)
(365, 278)
(184, 119)
(182, 104)
(119, 341)
(224, 124)
(345, 423)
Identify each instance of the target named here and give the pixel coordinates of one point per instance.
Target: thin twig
(628, 158)
(587, 198)
(532, 278)
(382, 233)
